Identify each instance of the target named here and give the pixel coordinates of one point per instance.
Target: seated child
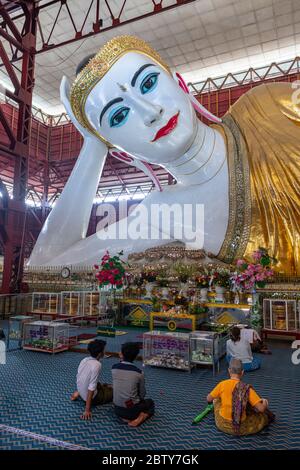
(239, 348)
(238, 409)
(129, 388)
(88, 386)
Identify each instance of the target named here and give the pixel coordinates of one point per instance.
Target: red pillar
(16, 214)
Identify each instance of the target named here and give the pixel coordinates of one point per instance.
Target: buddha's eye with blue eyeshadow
(118, 117)
(149, 83)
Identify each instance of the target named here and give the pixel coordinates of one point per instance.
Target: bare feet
(75, 396)
(139, 420)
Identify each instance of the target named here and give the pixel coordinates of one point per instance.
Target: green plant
(221, 278)
(256, 316)
(183, 271)
(162, 281)
(156, 304)
(111, 271)
(252, 275)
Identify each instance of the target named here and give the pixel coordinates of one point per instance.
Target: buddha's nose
(153, 114)
(150, 112)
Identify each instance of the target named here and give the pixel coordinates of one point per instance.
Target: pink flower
(257, 255)
(240, 262)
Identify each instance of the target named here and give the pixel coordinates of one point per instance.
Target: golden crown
(98, 66)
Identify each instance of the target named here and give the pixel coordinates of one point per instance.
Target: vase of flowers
(111, 271)
(203, 294)
(162, 281)
(220, 291)
(183, 271)
(250, 276)
(202, 281)
(149, 277)
(111, 274)
(149, 286)
(221, 280)
(165, 293)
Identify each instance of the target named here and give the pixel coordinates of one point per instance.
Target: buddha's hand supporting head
(127, 96)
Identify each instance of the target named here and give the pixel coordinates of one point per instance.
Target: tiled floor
(35, 390)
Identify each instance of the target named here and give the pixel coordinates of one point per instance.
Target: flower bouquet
(202, 280)
(162, 277)
(111, 271)
(222, 278)
(183, 271)
(149, 276)
(252, 275)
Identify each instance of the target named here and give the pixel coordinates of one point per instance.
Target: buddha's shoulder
(276, 90)
(280, 96)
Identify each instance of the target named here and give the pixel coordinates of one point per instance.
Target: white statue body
(140, 108)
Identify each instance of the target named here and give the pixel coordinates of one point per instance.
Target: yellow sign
(226, 318)
(138, 316)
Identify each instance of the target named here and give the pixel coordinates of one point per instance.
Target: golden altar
(176, 321)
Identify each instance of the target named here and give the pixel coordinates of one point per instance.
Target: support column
(16, 215)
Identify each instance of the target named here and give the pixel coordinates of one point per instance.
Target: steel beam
(11, 72)
(116, 19)
(16, 213)
(10, 22)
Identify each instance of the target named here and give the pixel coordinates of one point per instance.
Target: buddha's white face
(139, 108)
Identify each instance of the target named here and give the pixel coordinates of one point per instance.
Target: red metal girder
(16, 216)
(9, 68)
(7, 128)
(115, 172)
(10, 23)
(13, 96)
(7, 151)
(10, 38)
(158, 6)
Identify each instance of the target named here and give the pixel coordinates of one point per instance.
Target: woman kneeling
(238, 408)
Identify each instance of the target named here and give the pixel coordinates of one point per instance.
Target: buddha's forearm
(69, 219)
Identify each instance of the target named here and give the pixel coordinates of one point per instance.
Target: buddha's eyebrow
(138, 72)
(108, 105)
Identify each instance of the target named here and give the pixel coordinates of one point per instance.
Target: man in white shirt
(2, 348)
(254, 339)
(88, 386)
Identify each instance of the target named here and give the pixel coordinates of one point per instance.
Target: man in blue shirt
(129, 388)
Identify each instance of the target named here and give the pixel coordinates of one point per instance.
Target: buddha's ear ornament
(195, 103)
(141, 165)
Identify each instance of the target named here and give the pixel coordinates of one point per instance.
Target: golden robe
(262, 131)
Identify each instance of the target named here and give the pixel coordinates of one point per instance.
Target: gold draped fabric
(263, 142)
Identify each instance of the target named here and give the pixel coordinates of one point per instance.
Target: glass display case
(207, 347)
(45, 302)
(281, 315)
(91, 304)
(44, 336)
(109, 307)
(70, 303)
(166, 349)
(16, 330)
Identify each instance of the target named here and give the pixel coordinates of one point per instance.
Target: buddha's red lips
(169, 127)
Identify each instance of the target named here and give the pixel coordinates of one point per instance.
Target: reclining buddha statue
(243, 169)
